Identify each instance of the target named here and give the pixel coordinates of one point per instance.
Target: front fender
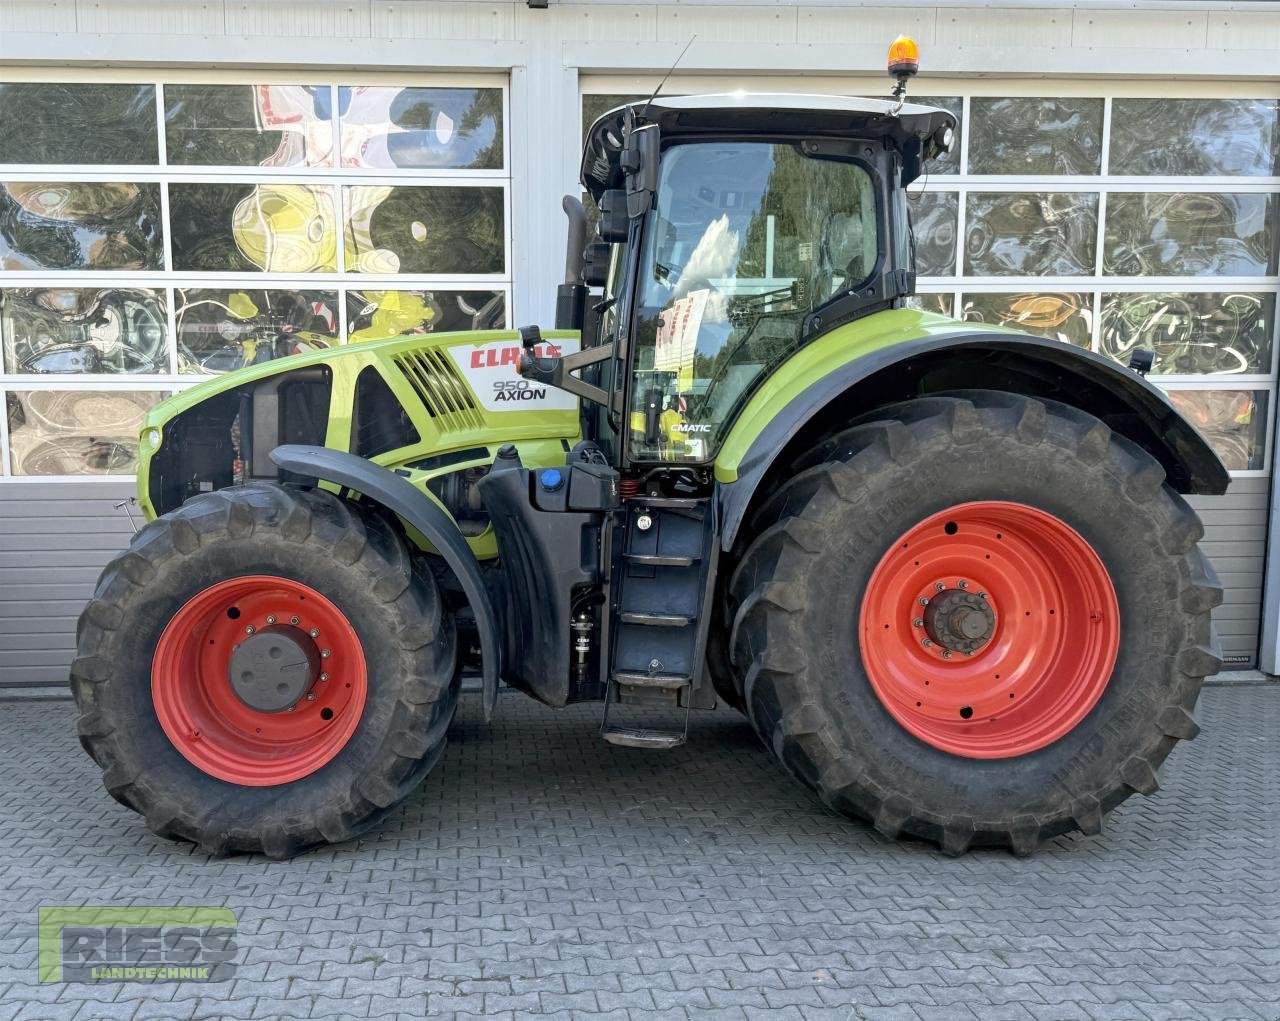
(396, 494)
(961, 359)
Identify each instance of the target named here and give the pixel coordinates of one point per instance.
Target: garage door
(1111, 216)
(155, 231)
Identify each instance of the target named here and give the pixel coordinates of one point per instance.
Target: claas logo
(494, 357)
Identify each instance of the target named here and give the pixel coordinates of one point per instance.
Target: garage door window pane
(1188, 234)
(1233, 421)
(1065, 316)
(940, 303)
(83, 329)
(424, 229)
(1191, 333)
(224, 329)
(276, 228)
(248, 125)
(63, 225)
(425, 128)
(948, 162)
(933, 221)
(378, 315)
(80, 432)
(1035, 136)
(1204, 137)
(44, 122)
(1031, 234)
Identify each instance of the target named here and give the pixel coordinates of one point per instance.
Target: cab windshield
(746, 239)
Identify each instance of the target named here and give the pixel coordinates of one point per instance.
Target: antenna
(670, 71)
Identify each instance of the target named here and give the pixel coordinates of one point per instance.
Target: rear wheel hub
(959, 621)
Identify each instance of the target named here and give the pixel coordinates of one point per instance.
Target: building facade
(187, 186)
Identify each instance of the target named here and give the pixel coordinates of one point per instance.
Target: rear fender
(787, 420)
(399, 496)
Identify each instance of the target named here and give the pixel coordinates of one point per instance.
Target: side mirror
(595, 263)
(639, 161)
(613, 216)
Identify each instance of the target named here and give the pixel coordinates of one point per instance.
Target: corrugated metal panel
(55, 538)
(1235, 539)
(727, 24)
(146, 16)
(282, 19)
(840, 25)
(38, 16)
(443, 21)
(1160, 30)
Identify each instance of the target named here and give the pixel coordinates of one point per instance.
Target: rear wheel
(980, 620)
(265, 669)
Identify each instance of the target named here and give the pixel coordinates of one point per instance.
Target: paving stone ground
(539, 872)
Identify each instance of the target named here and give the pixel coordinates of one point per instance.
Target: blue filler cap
(551, 479)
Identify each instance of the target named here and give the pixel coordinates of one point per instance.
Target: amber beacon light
(904, 61)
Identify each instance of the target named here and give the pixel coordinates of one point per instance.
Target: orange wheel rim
(205, 714)
(990, 630)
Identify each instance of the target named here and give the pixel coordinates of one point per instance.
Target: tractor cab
(735, 229)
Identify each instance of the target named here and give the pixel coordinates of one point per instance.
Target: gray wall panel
(55, 538)
(1235, 539)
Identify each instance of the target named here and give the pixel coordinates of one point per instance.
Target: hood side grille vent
(441, 388)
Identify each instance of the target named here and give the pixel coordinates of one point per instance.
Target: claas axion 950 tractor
(946, 570)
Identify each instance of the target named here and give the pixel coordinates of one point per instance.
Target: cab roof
(746, 114)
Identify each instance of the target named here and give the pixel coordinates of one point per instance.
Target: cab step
(654, 560)
(664, 682)
(656, 619)
(641, 737)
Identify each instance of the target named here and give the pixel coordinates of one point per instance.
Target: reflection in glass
(221, 330)
(1191, 333)
(82, 329)
(596, 105)
(79, 432)
(412, 229)
(1188, 234)
(276, 228)
(48, 122)
(248, 125)
(940, 302)
(1032, 135)
(948, 162)
(377, 315)
(80, 225)
(1064, 316)
(1031, 234)
(933, 222)
(1182, 137)
(1233, 421)
(389, 126)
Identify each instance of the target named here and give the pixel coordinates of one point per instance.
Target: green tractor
(944, 569)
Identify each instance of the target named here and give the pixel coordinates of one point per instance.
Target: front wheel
(979, 620)
(265, 669)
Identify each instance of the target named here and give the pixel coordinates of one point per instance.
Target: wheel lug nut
(293, 620)
(962, 584)
(917, 623)
(927, 643)
(924, 601)
(311, 696)
(324, 653)
(939, 586)
(946, 653)
(250, 630)
(271, 618)
(315, 632)
(325, 677)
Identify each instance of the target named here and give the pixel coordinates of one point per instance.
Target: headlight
(151, 439)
